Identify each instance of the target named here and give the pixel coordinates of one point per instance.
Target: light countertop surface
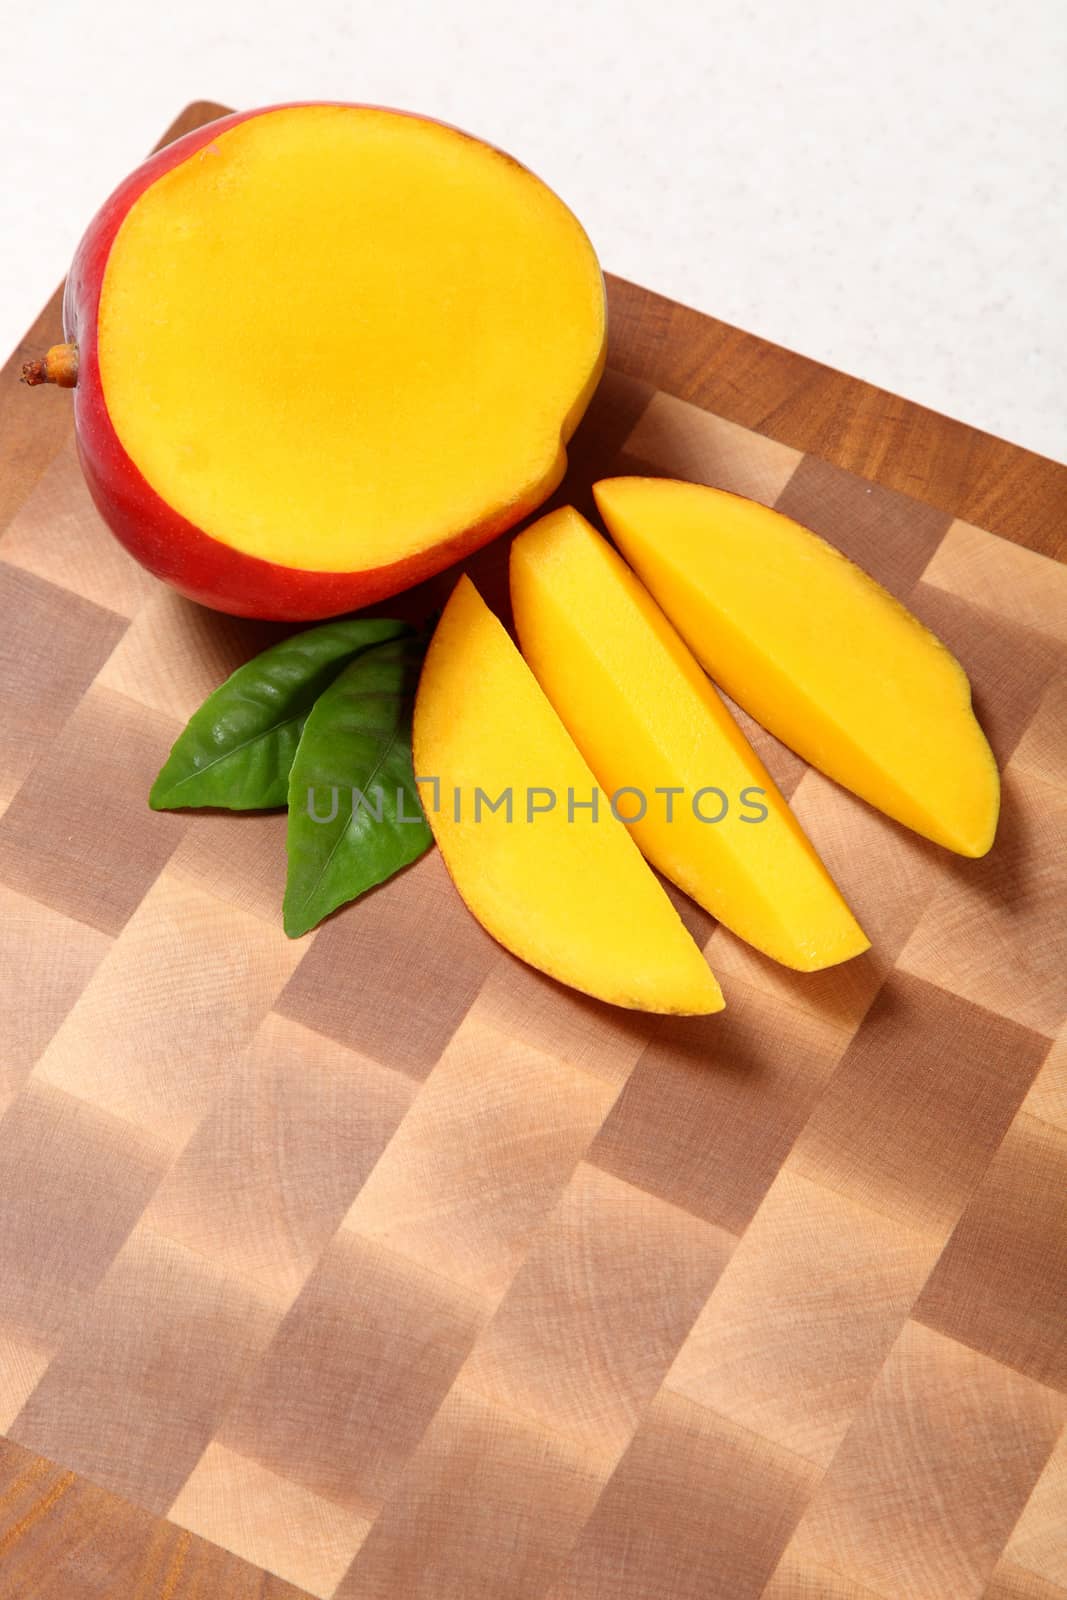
(879, 187)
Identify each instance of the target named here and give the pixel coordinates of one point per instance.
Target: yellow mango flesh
(816, 651)
(336, 335)
(572, 897)
(645, 717)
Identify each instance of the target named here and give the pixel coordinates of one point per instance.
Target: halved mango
(646, 718)
(564, 890)
(319, 352)
(816, 651)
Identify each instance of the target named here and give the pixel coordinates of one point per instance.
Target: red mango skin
(176, 550)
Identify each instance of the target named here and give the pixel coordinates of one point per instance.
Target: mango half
(705, 810)
(319, 352)
(511, 804)
(816, 651)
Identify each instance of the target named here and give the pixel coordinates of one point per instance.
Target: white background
(882, 186)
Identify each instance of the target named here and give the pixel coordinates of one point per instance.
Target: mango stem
(59, 365)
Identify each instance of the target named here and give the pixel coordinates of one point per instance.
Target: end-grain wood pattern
(378, 1266)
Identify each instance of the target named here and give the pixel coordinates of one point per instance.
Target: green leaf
(236, 750)
(354, 812)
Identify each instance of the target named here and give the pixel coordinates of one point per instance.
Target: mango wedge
(565, 891)
(648, 721)
(816, 651)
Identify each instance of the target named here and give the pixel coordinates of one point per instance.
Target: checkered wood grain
(395, 1270)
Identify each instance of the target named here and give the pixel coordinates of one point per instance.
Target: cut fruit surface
(567, 892)
(324, 350)
(646, 718)
(816, 651)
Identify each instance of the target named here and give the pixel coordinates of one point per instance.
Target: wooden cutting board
(378, 1266)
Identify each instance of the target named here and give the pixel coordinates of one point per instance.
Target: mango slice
(565, 891)
(648, 721)
(816, 651)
